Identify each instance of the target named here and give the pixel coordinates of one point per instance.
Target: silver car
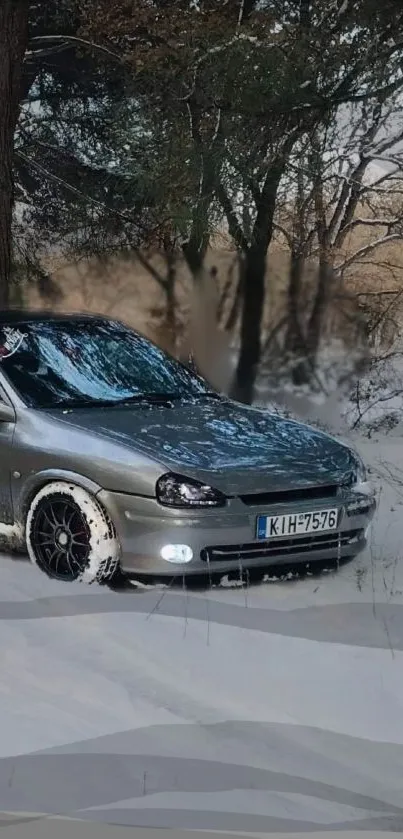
(118, 460)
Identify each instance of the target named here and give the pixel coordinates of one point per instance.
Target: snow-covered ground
(275, 709)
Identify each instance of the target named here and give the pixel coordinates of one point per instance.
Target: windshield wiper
(208, 395)
(149, 398)
(136, 399)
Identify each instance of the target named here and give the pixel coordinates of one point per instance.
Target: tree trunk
(319, 307)
(194, 250)
(294, 342)
(315, 325)
(297, 344)
(252, 313)
(305, 371)
(233, 315)
(171, 305)
(13, 42)
(254, 288)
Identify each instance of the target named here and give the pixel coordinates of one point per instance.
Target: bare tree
(249, 79)
(13, 43)
(342, 212)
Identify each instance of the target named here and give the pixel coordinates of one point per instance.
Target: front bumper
(224, 540)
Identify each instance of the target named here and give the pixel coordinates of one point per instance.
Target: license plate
(296, 524)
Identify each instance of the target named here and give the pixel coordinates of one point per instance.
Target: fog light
(177, 553)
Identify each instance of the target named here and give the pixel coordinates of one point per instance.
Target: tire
(70, 537)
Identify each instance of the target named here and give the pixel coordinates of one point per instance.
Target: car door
(6, 460)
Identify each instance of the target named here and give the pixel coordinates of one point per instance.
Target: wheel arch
(48, 476)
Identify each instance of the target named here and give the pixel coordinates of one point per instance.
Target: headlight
(359, 471)
(176, 491)
(360, 482)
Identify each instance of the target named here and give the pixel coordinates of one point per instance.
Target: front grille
(289, 495)
(278, 548)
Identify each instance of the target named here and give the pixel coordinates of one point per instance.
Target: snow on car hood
(236, 448)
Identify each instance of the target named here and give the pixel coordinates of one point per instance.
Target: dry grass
(124, 289)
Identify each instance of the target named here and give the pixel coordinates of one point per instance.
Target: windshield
(85, 363)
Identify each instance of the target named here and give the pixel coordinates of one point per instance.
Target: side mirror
(7, 413)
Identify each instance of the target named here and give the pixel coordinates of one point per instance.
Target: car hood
(236, 448)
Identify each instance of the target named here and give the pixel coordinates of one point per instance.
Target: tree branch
(65, 185)
(372, 222)
(367, 249)
(284, 232)
(234, 226)
(71, 39)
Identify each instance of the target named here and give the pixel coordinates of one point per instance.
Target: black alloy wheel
(61, 537)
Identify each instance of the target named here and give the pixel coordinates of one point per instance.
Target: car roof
(26, 315)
